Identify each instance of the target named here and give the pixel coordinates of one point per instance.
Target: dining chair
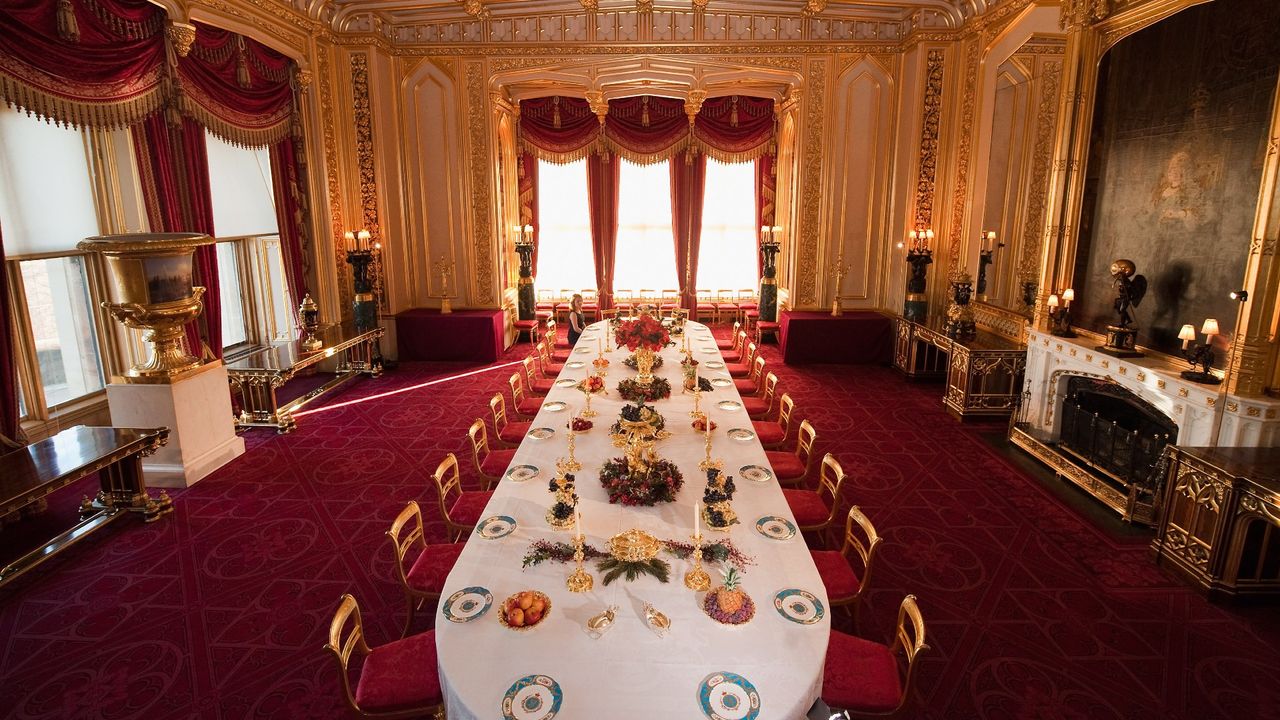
(562, 304)
(752, 384)
(647, 297)
(705, 308)
(792, 467)
(532, 377)
(845, 583)
(609, 314)
(398, 680)
(505, 432)
(591, 304)
(546, 301)
(726, 305)
(770, 327)
(731, 342)
(773, 434)
(423, 579)
(550, 367)
(525, 407)
(553, 340)
(460, 509)
(623, 300)
(748, 300)
(734, 354)
(864, 678)
(524, 327)
(743, 369)
(670, 301)
(814, 513)
(760, 408)
(490, 464)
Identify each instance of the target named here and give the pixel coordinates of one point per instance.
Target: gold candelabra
(841, 271)
(445, 267)
(707, 462)
(572, 464)
(695, 413)
(697, 579)
(587, 412)
(579, 580)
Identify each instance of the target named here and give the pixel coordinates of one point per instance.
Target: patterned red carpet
(220, 610)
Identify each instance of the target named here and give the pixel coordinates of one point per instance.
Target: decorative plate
(725, 405)
(521, 473)
(583, 350)
(532, 697)
(541, 433)
(756, 473)
(799, 606)
(566, 382)
(575, 364)
(721, 382)
(741, 434)
(775, 527)
(546, 610)
(714, 364)
(727, 696)
(467, 604)
(496, 526)
(708, 349)
(554, 406)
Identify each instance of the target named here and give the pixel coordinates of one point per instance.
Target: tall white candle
(577, 524)
(697, 520)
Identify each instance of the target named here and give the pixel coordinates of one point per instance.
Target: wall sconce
(1060, 315)
(1197, 354)
(1239, 295)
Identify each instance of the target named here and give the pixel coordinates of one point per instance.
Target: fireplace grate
(1114, 432)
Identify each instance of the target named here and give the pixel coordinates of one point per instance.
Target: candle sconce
(1060, 314)
(527, 308)
(360, 255)
(919, 257)
(988, 247)
(1199, 354)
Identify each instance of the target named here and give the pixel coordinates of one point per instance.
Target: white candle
(697, 521)
(577, 524)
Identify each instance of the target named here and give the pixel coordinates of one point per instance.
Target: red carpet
(221, 609)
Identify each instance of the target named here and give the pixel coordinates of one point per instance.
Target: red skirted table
(860, 337)
(425, 334)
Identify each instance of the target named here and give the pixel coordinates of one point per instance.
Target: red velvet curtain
(647, 129)
(766, 185)
(289, 188)
(9, 427)
(238, 88)
(688, 183)
(528, 186)
(558, 129)
(603, 173)
(735, 128)
(83, 62)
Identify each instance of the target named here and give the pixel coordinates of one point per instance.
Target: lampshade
(1053, 301)
(1068, 294)
(1210, 327)
(1188, 332)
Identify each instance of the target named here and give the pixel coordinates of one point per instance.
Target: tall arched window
(727, 250)
(646, 252)
(564, 228)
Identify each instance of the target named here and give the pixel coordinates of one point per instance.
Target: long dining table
(770, 667)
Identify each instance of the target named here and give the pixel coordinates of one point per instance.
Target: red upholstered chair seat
(786, 464)
(746, 386)
(541, 386)
(724, 345)
(838, 577)
(553, 368)
(543, 315)
(753, 313)
(525, 324)
(623, 305)
(514, 432)
(749, 306)
(545, 305)
(769, 433)
(400, 675)
(706, 307)
(727, 306)
(496, 462)
(806, 505)
(432, 567)
(529, 406)
(562, 344)
(563, 307)
(738, 370)
(860, 675)
(755, 407)
(469, 506)
(561, 356)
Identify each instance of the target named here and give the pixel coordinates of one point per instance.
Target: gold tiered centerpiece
(152, 278)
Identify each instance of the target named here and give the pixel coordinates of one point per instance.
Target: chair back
(647, 295)
(861, 538)
(346, 637)
(770, 393)
(448, 482)
(517, 389)
(670, 295)
(737, 328)
(747, 294)
(498, 406)
(725, 295)
(751, 353)
(530, 369)
(830, 480)
(544, 296)
(589, 296)
(609, 314)
(478, 433)
(785, 408)
(805, 440)
(757, 370)
(740, 342)
(402, 541)
(909, 638)
(551, 333)
(704, 296)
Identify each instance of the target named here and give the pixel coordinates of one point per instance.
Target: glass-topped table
(345, 351)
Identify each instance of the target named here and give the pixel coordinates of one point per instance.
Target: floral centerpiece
(656, 481)
(644, 337)
(633, 390)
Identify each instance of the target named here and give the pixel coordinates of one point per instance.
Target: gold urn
(151, 274)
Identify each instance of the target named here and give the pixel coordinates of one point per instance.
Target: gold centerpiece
(634, 546)
(644, 365)
(151, 274)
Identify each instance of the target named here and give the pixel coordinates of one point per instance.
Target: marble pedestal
(196, 407)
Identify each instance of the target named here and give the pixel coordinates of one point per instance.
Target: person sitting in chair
(577, 321)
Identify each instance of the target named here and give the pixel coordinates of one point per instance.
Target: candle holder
(1060, 315)
(579, 580)
(697, 579)
(572, 464)
(916, 304)
(707, 463)
(769, 248)
(841, 270)
(1199, 354)
(695, 413)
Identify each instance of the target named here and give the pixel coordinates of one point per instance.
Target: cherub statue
(1130, 289)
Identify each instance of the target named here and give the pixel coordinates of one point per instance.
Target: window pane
(727, 253)
(240, 183)
(46, 199)
(565, 258)
(282, 306)
(646, 253)
(232, 296)
(58, 305)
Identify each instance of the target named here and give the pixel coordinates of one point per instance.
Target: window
(66, 344)
(646, 252)
(233, 326)
(727, 252)
(565, 257)
(240, 183)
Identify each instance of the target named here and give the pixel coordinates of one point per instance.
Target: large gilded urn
(151, 276)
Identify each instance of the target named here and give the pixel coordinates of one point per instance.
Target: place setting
(496, 526)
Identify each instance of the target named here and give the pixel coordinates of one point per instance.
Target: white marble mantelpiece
(1195, 407)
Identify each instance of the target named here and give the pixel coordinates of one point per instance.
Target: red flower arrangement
(644, 332)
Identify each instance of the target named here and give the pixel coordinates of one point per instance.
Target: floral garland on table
(630, 361)
(658, 484)
(632, 391)
(716, 553)
(643, 332)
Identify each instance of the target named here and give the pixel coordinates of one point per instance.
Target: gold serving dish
(634, 546)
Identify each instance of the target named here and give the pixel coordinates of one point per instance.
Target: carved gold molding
(811, 189)
(481, 203)
(963, 149)
(364, 165)
(329, 140)
(1041, 162)
(926, 175)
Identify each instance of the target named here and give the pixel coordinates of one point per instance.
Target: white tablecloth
(630, 672)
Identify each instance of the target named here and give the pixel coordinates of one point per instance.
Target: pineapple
(729, 596)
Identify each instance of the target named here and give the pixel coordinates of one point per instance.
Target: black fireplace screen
(1113, 430)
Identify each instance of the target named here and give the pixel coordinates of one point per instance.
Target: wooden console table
(260, 374)
(30, 474)
(983, 375)
(1220, 521)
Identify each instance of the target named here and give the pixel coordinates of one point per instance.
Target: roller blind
(240, 183)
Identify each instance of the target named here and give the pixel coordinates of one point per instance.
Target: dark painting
(168, 277)
(1179, 139)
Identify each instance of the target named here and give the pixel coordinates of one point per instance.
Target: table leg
(123, 488)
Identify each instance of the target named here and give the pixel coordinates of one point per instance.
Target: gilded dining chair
(865, 679)
(525, 407)
(815, 510)
(760, 408)
(490, 464)
(846, 573)
(753, 383)
(420, 568)
(460, 509)
(792, 467)
(773, 434)
(506, 432)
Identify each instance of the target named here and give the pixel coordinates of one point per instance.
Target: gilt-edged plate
(714, 364)
(708, 349)
(521, 473)
(467, 604)
(532, 697)
(730, 405)
(540, 433)
(741, 434)
(566, 382)
(721, 382)
(575, 364)
(496, 526)
(554, 406)
(728, 696)
(756, 473)
(799, 606)
(776, 527)
(582, 350)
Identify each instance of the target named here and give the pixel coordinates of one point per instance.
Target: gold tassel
(555, 112)
(242, 67)
(644, 111)
(68, 29)
(733, 111)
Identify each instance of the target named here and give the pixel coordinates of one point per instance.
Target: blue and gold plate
(532, 697)
(776, 527)
(799, 606)
(521, 473)
(721, 382)
(496, 526)
(467, 604)
(756, 473)
(727, 696)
